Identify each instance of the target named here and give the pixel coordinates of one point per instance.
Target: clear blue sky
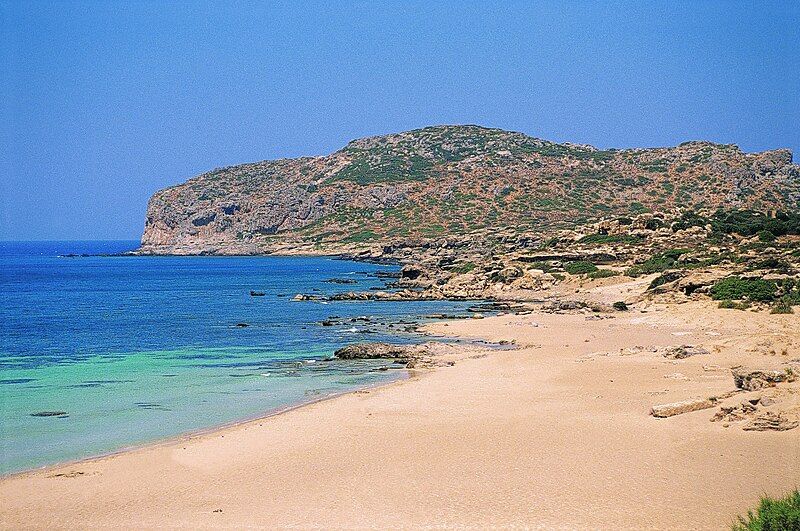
(104, 103)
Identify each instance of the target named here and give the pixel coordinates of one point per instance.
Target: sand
(555, 434)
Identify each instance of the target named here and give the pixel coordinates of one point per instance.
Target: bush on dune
(773, 515)
(738, 288)
(580, 268)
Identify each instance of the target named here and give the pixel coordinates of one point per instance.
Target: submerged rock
(61, 414)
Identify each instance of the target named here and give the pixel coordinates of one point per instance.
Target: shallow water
(118, 351)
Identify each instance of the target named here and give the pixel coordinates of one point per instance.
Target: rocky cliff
(452, 180)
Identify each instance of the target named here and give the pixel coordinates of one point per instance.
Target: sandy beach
(554, 434)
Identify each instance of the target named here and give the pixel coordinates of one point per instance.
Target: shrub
(689, 219)
(731, 305)
(608, 238)
(558, 276)
(653, 224)
(773, 264)
(748, 222)
(664, 278)
(361, 236)
(773, 514)
(603, 273)
(580, 267)
(620, 306)
(737, 288)
(657, 263)
(766, 236)
(465, 267)
(782, 307)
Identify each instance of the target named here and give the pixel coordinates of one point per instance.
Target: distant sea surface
(99, 353)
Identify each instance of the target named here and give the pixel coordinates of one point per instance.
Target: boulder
(683, 351)
(684, 406)
(369, 351)
(753, 380)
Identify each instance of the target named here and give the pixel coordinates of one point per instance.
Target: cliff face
(452, 180)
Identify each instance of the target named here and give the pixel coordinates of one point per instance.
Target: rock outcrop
(415, 356)
(684, 406)
(753, 380)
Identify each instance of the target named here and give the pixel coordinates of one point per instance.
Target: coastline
(415, 452)
(209, 430)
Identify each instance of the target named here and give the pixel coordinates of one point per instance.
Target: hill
(453, 181)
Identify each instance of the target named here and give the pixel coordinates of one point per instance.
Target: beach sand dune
(556, 433)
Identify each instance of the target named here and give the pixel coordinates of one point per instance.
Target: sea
(100, 352)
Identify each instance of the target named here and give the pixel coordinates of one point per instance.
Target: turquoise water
(134, 349)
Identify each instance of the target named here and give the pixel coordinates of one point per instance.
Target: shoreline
(427, 441)
(210, 430)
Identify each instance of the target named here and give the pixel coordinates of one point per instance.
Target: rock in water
(50, 414)
(369, 351)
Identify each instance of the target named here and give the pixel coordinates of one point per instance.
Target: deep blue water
(132, 349)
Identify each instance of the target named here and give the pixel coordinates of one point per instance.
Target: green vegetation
(657, 263)
(603, 273)
(620, 306)
(782, 306)
(771, 264)
(662, 279)
(689, 219)
(361, 236)
(782, 514)
(608, 238)
(743, 222)
(580, 267)
(738, 288)
(749, 223)
(464, 267)
(766, 236)
(366, 171)
(732, 305)
(790, 290)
